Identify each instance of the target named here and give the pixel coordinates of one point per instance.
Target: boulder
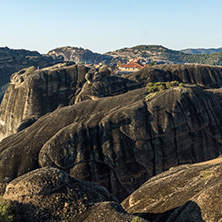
(105, 71)
(103, 87)
(50, 194)
(184, 193)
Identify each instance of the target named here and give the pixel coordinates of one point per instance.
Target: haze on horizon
(103, 26)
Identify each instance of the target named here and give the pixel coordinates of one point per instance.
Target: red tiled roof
(132, 64)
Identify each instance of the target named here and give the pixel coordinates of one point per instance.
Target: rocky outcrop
(201, 75)
(33, 93)
(14, 60)
(108, 86)
(50, 194)
(120, 141)
(80, 55)
(184, 193)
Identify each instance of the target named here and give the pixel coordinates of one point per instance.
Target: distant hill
(201, 51)
(162, 55)
(80, 55)
(146, 53)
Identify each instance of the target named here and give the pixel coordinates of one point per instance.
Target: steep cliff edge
(33, 93)
(120, 141)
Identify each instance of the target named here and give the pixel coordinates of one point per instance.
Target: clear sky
(102, 26)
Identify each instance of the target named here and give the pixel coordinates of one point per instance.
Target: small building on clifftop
(132, 66)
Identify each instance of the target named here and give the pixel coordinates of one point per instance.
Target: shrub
(136, 219)
(7, 211)
(152, 63)
(30, 69)
(160, 86)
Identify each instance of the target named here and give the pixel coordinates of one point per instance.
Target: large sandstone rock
(202, 75)
(184, 193)
(33, 93)
(120, 141)
(50, 194)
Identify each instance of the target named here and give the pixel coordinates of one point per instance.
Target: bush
(136, 219)
(160, 86)
(7, 211)
(30, 69)
(152, 63)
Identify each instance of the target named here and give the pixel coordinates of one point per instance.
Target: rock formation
(184, 193)
(201, 75)
(33, 93)
(120, 141)
(50, 194)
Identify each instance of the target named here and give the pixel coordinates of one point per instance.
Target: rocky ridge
(201, 50)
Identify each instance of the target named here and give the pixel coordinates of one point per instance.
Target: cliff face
(80, 55)
(201, 75)
(120, 141)
(33, 93)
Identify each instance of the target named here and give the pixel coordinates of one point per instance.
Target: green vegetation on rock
(159, 86)
(136, 219)
(154, 88)
(30, 69)
(7, 211)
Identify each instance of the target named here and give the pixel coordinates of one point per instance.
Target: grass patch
(206, 174)
(7, 211)
(30, 70)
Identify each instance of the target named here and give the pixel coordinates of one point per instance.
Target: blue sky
(103, 26)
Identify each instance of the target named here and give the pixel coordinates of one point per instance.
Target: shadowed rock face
(202, 75)
(183, 193)
(31, 95)
(50, 194)
(119, 141)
